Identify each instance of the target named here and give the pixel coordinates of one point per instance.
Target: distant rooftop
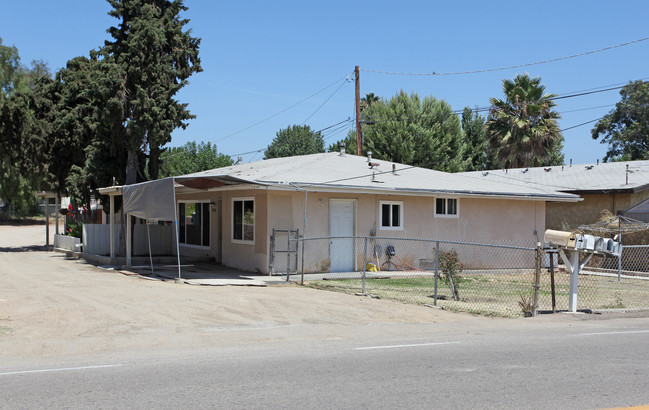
(588, 178)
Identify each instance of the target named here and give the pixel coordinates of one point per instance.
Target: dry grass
(497, 294)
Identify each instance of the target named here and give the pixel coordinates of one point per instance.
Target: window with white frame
(446, 207)
(243, 219)
(194, 223)
(391, 214)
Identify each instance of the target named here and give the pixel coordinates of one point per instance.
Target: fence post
(364, 265)
(303, 243)
(288, 255)
(271, 266)
(554, 299)
(436, 271)
(537, 278)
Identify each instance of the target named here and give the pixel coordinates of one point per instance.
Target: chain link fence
(496, 279)
(604, 284)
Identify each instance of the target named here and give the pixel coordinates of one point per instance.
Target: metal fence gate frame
(284, 241)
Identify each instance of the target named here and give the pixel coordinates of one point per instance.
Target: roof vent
(373, 164)
(369, 156)
(525, 170)
(342, 149)
(589, 167)
(394, 169)
(239, 160)
(484, 174)
(547, 169)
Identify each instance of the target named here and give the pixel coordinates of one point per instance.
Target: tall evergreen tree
(522, 129)
(157, 57)
(475, 142)
(25, 124)
(409, 130)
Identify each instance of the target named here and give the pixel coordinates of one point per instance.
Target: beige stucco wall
(480, 220)
(245, 256)
(564, 215)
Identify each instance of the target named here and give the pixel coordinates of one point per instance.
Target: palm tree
(368, 100)
(522, 130)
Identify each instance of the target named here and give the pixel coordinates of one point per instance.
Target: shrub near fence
(489, 279)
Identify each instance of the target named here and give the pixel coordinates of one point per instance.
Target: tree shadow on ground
(31, 248)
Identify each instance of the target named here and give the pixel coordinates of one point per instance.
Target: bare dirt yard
(53, 305)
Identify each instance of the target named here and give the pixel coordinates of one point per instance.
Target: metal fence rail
(502, 279)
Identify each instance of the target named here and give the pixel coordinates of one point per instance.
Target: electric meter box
(560, 238)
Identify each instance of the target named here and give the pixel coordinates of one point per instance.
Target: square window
(446, 207)
(391, 215)
(194, 223)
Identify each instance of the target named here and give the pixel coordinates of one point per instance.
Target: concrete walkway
(210, 274)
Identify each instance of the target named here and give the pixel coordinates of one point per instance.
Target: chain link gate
(284, 251)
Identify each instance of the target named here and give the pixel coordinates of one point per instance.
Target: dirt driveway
(52, 305)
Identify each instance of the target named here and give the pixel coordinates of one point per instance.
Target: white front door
(341, 223)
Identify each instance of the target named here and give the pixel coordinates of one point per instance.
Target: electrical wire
(582, 124)
(484, 109)
(552, 60)
(325, 101)
(282, 111)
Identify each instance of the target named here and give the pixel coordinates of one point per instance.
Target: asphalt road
(554, 362)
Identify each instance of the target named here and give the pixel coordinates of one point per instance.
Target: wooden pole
(358, 113)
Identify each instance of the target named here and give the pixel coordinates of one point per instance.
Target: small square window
(391, 215)
(446, 207)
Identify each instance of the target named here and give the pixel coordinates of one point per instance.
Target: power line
(552, 60)
(485, 109)
(348, 120)
(325, 101)
(579, 125)
(284, 110)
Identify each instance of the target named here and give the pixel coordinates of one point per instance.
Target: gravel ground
(52, 305)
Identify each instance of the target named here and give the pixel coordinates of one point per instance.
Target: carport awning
(156, 199)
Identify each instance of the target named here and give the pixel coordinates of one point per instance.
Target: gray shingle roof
(331, 171)
(604, 177)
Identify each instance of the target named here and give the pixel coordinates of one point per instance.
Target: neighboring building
(229, 213)
(612, 187)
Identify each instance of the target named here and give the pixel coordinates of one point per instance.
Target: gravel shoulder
(52, 305)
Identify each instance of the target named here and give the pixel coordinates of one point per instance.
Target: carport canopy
(156, 200)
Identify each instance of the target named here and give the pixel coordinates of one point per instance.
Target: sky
(263, 60)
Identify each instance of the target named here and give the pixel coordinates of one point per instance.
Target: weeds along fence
(496, 279)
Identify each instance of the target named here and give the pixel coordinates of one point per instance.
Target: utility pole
(358, 113)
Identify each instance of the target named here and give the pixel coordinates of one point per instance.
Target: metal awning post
(177, 232)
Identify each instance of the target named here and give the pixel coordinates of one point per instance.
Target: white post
(112, 229)
(574, 277)
(128, 240)
(47, 221)
(57, 204)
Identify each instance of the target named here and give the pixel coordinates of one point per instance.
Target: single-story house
(611, 186)
(229, 213)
